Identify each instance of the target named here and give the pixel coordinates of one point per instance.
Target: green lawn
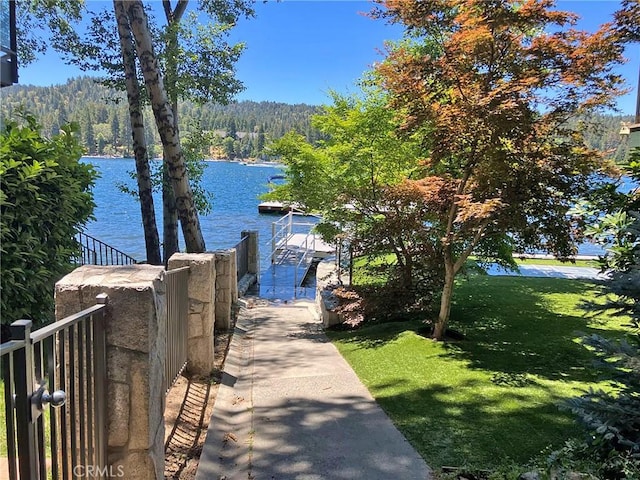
(491, 398)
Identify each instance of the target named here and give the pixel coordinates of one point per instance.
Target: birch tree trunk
(169, 213)
(169, 135)
(143, 175)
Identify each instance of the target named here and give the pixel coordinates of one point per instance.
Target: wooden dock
(277, 208)
(273, 207)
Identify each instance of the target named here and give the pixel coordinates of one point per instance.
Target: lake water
(235, 188)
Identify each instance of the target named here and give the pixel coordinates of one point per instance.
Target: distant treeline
(241, 129)
(238, 130)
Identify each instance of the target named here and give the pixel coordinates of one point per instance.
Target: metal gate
(62, 365)
(177, 324)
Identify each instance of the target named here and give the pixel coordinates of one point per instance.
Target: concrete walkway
(290, 407)
(550, 271)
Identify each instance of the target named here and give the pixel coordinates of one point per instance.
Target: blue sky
(298, 50)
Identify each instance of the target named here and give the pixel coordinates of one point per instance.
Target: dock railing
(283, 229)
(292, 248)
(60, 365)
(305, 256)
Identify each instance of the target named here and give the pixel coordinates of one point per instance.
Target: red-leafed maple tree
(490, 86)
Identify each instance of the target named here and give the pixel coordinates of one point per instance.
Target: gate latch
(42, 396)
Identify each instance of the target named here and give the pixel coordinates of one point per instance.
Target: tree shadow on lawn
(512, 327)
(523, 333)
(476, 431)
(374, 335)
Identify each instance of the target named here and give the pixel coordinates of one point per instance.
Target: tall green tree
(260, 141)
(489, 86)
(356, 180)
(115, 131)
(185, 37)
(87, 132)
(229, 148)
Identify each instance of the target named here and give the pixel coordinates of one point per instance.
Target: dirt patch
(450, 335)
(189, 405)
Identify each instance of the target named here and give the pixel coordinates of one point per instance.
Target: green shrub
(45, 200)
(612, 419)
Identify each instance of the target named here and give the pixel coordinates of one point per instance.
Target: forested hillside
(604, 134)
(238, 130)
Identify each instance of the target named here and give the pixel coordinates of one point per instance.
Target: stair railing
(96, 252)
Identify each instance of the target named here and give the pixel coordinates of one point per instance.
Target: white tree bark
(169, 134)
(152, 240)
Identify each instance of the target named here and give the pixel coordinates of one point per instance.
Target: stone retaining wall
(254, 251)
(225, 280)
(327, 278)
(136, 342)
(135, 331)
(202, 308)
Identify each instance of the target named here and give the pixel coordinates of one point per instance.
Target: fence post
(100, 355)
(28, 464)
(253, 252)
(273, 242)
(233, 269)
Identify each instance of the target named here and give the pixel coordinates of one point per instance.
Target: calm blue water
(235, 188)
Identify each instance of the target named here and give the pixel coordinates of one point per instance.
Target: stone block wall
(328, 277)
(202, 308)
(135, 326)
(136, 344)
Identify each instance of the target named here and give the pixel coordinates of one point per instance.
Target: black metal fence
(242, 257)
(61, 365)
(177, 324)
(96, 252)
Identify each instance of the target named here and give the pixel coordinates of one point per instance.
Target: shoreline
(243, 161)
